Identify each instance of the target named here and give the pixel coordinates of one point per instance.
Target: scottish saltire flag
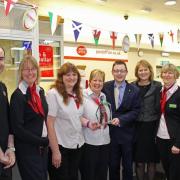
(77, 26)
(151, 38)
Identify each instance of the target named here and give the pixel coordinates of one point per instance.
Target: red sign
(81, 50)
(46, 60)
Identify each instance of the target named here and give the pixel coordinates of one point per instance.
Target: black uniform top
(4, 118)
(27, 125)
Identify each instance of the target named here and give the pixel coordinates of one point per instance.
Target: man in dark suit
(125, 103)
(7, 156)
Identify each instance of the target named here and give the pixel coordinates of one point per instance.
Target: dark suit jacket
(4, 118)
(27, 125)
(172, 117)
(127, 112)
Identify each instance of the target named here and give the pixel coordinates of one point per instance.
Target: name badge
(172, 106)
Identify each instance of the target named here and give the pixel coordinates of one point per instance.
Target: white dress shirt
(67, 124)
(99, 136)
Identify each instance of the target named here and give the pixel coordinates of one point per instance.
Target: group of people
(109, 125)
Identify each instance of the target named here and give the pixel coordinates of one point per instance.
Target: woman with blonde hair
(28, 112)
(95, 158)
(145, 150)
(168, 134)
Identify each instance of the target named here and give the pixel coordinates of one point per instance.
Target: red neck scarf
(164, 98)
(75, 99)
(35, 101)
(103, 113)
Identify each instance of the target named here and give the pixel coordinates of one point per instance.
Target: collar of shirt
(121, 85)
(172, 90)
(23, 87)
(89, 92)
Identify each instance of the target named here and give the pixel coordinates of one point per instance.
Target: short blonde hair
(97, 72)
(28, 59)
(170, 68)
(146, 64)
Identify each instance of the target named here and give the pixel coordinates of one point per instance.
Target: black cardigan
(27, 125)
(172, 117)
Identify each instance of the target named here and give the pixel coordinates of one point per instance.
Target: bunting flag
(125, 43)
(96, 35)
(77, 26)
(54, 20)
(138, 39)
(161, 38)
(151, 38)
(113, 36)
(178, 36)
(171, 34)
(9, 4)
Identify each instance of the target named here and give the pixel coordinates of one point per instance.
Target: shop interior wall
(152, 56)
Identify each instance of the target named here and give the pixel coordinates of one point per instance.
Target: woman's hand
(56, 159)
(93, 125)
(3, 159)
(11, 156)
(175, 150)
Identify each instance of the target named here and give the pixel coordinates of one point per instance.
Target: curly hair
(60, 86)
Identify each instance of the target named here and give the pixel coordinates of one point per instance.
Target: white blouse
(67, 125)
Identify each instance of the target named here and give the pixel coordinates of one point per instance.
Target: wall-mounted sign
(27, 45)
(46, 60)
(94, 54)
(81, 50)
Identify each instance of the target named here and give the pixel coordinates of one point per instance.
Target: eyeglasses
(30, 69)
(119, 71)
(2, 58)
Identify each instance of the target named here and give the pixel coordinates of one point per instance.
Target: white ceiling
(159, 11)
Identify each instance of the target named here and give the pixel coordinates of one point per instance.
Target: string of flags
(77, 27)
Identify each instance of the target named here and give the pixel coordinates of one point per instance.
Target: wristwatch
(12, 149)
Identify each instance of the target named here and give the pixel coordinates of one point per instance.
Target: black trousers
(69, 166)
(118, 153)
(170, 162)
(34, 165)
(6, 174)
(94, 162)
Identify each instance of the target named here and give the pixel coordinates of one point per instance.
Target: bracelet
(12, 149)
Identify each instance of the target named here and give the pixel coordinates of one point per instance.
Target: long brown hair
(59, 84)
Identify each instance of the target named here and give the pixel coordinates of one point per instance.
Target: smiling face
(119, 72)
(168, 78)
(70, 79)
(143, 73)
(2, 59)
(169, 74)
(96, 84)
(29, 73)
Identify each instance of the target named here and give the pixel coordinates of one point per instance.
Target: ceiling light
(146, 10)
(170, 2)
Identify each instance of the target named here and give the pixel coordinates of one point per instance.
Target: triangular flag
(96, 35)
(8, 4)
(151, 38)
(161, 38)
(138, 39)
(76, 28)
(178, 36)
(113, 36)
(53, 21)
(171, 34)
